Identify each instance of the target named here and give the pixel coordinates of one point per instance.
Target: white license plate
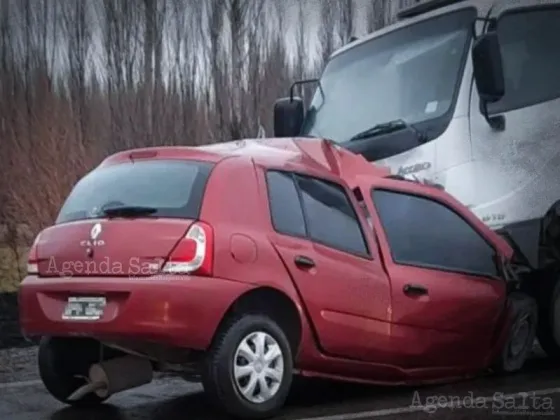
(84, 308)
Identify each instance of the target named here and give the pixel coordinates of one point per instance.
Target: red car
(243, 263)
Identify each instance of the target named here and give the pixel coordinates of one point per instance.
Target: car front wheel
(249, 367)
(521, 337)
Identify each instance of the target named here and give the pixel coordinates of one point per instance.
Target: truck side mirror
(488, 68)
(288, 117)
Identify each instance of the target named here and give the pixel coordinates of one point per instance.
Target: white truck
(464, 94)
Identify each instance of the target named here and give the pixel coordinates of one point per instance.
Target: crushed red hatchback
(241, 264)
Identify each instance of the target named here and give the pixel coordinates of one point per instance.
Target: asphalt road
(533, 393)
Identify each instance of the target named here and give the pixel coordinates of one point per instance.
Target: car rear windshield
(174, 188)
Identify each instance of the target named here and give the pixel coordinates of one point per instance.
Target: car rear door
(447, 297)
(334, 266)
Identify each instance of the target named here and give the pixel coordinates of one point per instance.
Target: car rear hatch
(123, 219)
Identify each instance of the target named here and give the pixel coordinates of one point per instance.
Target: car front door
(447, 296)
(336, 269)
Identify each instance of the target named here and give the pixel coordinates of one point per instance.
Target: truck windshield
(411, 74)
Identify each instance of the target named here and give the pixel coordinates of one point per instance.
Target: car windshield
(411, 74)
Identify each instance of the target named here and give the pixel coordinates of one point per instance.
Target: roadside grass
(12, 268)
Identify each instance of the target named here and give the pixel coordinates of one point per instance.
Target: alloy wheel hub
(258, 367)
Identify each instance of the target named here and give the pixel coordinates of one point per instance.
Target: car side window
(331, 218)
(285, 206)
(531, 58)
(429, 234)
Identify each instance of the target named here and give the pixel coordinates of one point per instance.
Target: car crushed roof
(289, 153)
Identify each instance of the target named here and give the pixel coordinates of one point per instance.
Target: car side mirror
(288, 116)
(488, 68)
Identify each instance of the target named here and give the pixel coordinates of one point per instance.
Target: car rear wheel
(248, 372)
(519, 344)
(64, 365)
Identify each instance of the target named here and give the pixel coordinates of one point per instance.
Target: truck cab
(463, 94)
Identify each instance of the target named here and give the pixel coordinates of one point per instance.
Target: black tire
(61, 360)
(218, 378)
(523, 330)
(549, 298)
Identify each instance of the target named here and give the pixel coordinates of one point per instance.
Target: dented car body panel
(364, 314)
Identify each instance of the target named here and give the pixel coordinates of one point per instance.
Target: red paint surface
(357, 323)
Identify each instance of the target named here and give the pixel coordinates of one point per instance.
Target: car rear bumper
(182, 311)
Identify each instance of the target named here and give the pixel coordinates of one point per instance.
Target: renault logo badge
(93, 235)
(95, 231)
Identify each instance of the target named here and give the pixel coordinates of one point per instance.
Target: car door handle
(415, 289)
(304, 262)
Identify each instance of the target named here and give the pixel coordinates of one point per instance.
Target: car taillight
(194, 254)
(33, 257)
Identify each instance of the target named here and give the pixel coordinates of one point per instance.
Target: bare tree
(378, 14)
(241, 16)
(78, 35)
(347, 18)
(257, 46)
(121, 34)
(216, 20)
(6, 42)
(154, 16)
(28, 19)
(327, 29)
(82, 79)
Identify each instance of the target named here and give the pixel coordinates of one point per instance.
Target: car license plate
(84, 308)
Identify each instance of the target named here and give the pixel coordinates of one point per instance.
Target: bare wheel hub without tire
(258, 367)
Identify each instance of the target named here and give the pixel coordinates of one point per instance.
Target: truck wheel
(519, 344)
(248, 371)
(63, 362)
(548, 331)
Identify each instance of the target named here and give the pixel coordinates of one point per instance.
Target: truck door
(335, 268)
(447, 299)
(516, 164)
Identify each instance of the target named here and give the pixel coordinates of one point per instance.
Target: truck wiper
(386, 128)
(127, 211)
